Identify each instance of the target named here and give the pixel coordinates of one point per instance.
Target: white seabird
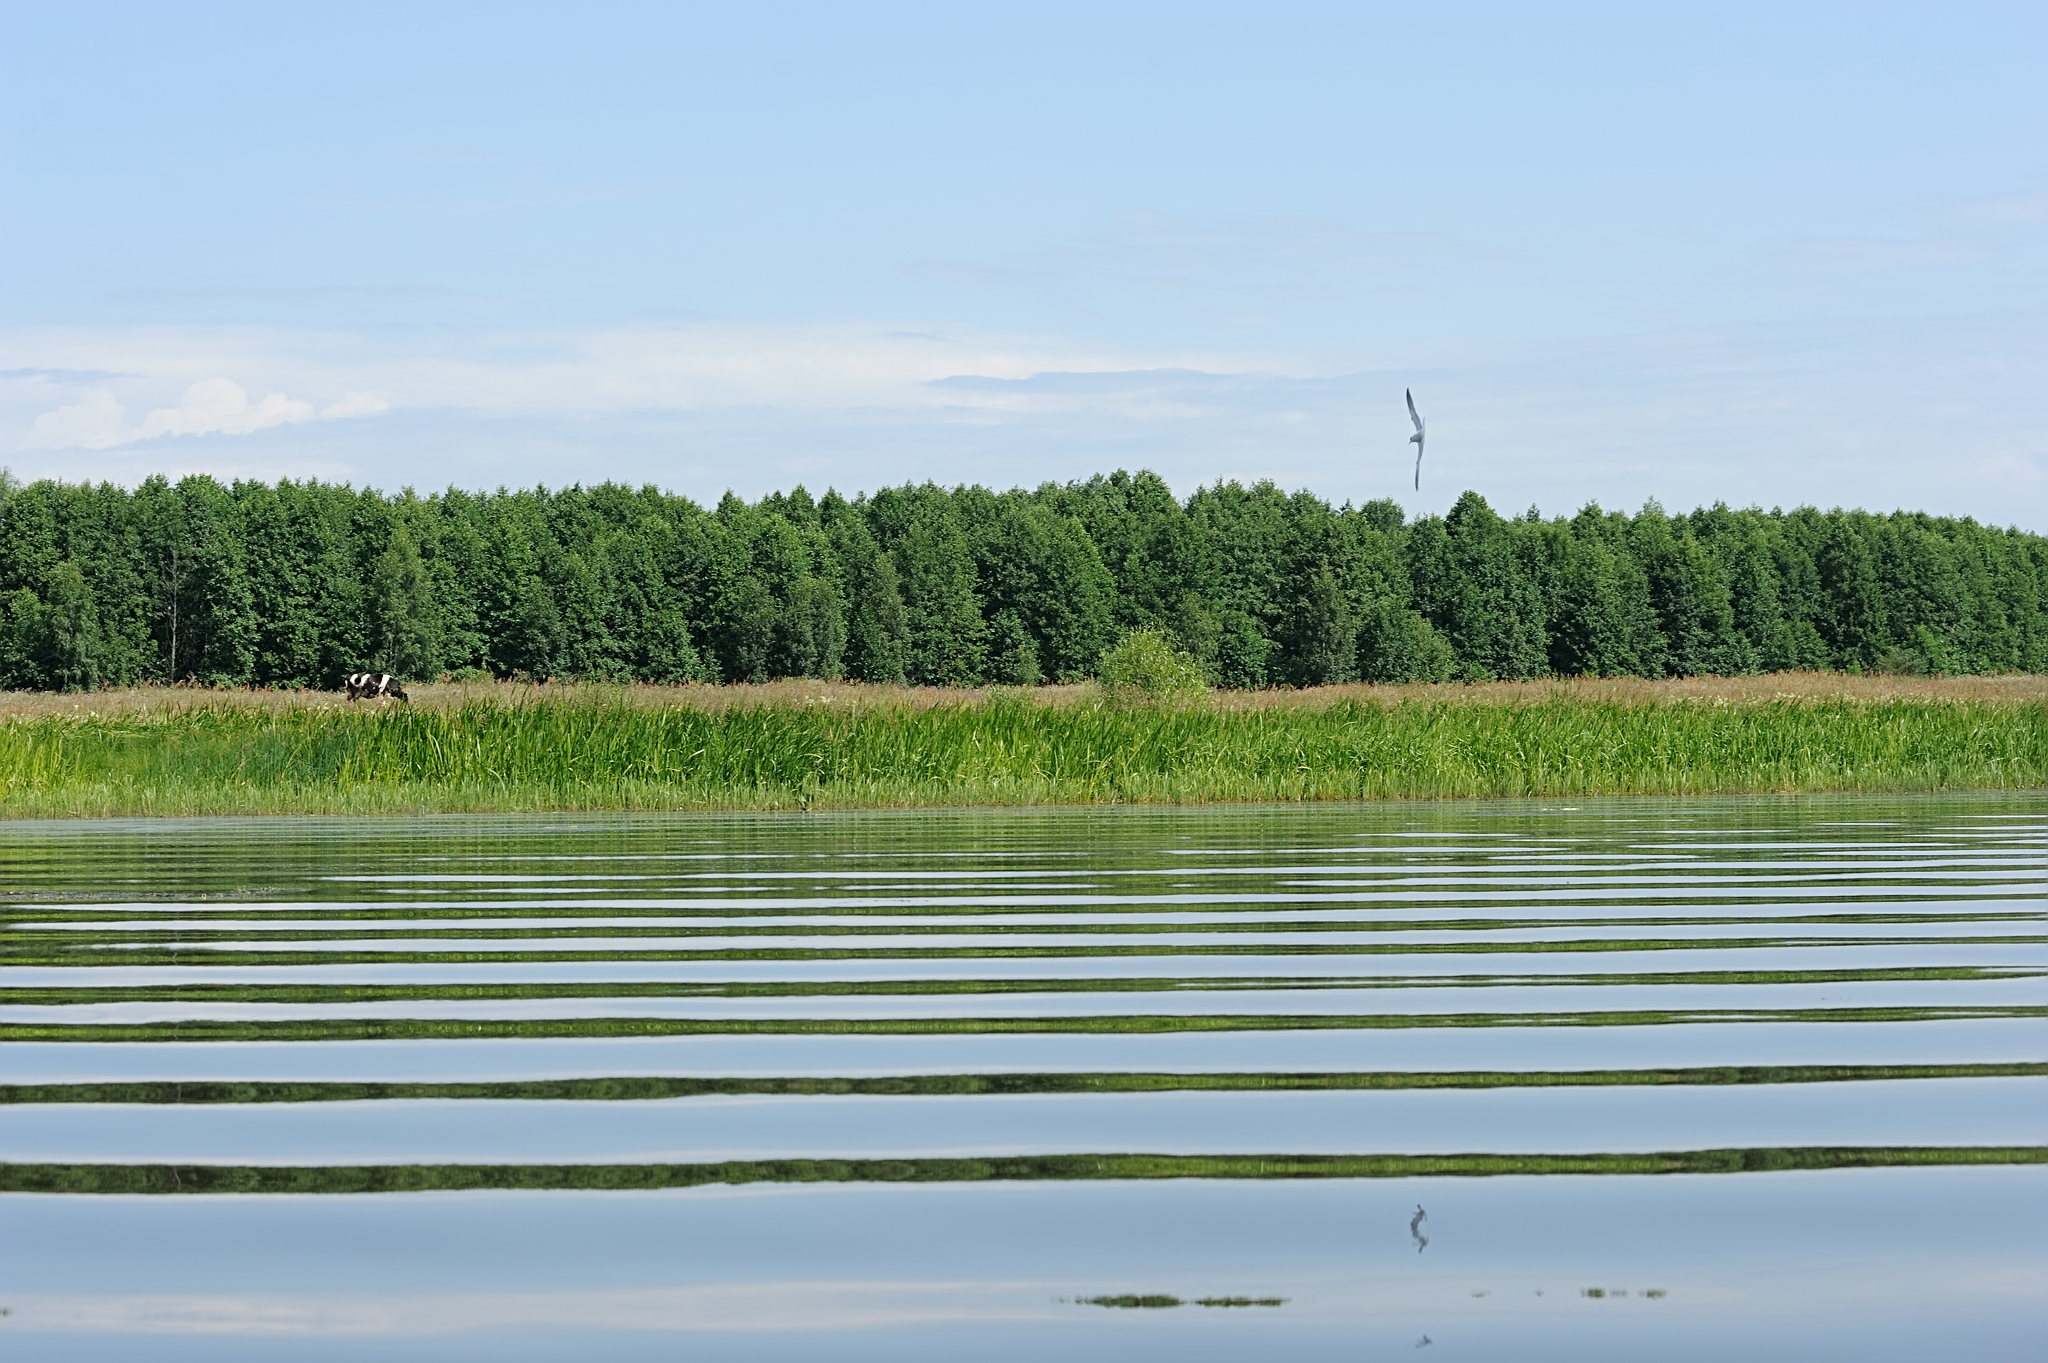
(1416, 439)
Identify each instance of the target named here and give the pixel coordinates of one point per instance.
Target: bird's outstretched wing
(1418, 467)
(1413, 415)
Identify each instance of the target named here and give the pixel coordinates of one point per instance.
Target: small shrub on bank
(1144, 665)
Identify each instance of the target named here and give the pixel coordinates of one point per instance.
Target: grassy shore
(178, 751)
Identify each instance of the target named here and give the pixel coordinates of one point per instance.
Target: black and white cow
(375, 684)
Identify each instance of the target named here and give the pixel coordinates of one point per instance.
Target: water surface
(992, 1083)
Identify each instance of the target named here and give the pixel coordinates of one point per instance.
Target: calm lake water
(1674, 1079)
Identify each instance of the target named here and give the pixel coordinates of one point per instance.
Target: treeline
(299, 584)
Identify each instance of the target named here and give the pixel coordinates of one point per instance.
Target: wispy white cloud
(691, 366)
(215, 406)
(1186, 394)
(354, 404)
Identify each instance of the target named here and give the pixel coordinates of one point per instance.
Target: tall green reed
(583, 753)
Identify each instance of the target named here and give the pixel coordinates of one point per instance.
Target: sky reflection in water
(1623, 936)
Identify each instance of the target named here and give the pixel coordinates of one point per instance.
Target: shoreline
(506, 748)
(153, 699)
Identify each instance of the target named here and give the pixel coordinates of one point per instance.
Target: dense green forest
(298, 584)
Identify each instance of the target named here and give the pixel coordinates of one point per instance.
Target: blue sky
(1763, 254)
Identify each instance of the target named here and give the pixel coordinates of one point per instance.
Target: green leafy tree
(21, 641)
(1050, 602)
(1319, 624)
(281, 584)
(403, 612)
(1477, 586)
(524, 621)
(71, 642)
(878, 629)
(1244, 538)
(1606, 622)
(1853, 612)
(1148, 542)
(1690, 593)
(947, 643)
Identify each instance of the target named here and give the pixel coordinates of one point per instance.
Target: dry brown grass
(163, 701)
(153, 701)
(1773, 686)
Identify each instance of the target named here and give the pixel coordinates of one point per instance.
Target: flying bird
(1415, 1228)
(1416, 439)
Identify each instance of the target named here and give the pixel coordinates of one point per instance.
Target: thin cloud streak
(1947, 414)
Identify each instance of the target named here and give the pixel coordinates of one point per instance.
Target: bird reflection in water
(1415, 1225)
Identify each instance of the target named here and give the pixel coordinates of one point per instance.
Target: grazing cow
(375, 684)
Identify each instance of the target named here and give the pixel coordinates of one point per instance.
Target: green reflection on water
(49, 996)
(649, 1088)
(1874, 893)
(404, 1178)
(450, 1029)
